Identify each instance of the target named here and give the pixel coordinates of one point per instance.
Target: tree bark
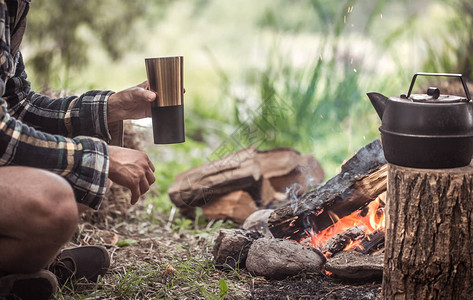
(429, 234)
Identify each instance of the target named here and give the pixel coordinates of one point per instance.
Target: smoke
(294, 192)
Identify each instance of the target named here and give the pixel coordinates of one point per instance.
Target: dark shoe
(82, 262)
(35, 286)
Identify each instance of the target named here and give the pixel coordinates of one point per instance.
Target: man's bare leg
(38, 215)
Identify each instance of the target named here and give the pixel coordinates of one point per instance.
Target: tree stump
(429, 234)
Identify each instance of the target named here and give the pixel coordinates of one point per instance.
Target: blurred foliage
(455, 52)
(439, 35)
(61, 32)
(268, 73)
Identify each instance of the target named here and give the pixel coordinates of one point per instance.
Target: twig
(334, 290)
(171, 217)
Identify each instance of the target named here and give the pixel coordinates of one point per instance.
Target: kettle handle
(467, 92)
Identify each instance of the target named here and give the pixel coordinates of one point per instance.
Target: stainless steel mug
(165, 77)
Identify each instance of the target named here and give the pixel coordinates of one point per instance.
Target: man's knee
(57, 206)
(44, 204)
(39, 215)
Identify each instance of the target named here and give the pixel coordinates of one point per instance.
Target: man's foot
(82, 262)
(35, 286)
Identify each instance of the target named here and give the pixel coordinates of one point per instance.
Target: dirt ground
(157, 260)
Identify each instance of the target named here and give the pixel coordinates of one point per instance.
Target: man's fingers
(151, 165)
(144, 84)
(150, 177)
(147, 94)
(135, 194)
(144, 186)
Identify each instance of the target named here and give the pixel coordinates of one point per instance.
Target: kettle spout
(379, 102)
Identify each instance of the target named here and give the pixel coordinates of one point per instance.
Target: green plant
(452, 50)
(315, 107)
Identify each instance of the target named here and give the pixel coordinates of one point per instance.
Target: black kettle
(428, 131)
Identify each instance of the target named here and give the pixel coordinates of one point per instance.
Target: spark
(292, 223)
(354, 70)
(381, 15)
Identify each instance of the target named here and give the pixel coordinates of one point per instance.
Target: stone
(258, 221)
(231, 247)
(278, 258)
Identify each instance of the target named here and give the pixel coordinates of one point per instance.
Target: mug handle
(467, 92)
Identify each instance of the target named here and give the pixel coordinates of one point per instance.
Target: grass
(165, 263)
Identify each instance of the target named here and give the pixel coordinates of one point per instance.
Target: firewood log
(247, 170)
(339, 241)
(236, 206)
(203, 184)
(360, 181)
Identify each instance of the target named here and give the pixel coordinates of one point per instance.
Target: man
(55, 163)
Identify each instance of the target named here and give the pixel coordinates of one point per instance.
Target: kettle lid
(433, 94)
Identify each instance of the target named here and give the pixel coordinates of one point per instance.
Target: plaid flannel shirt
(65, 135)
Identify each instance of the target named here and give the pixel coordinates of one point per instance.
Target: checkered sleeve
(82, 161)
(67, 116)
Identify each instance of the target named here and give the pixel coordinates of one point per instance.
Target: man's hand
(132, 169)
(132, 103)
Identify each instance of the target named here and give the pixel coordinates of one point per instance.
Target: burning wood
(369, 218)
(347, 213)
(361, 180)
(371, 242)
(342, 240)
(355, 231)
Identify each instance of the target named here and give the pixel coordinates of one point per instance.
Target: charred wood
(355, 266)
(371, 242)
(360, 181)
(341, 240)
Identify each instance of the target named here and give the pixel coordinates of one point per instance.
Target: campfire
(363, 231)
(342, 218)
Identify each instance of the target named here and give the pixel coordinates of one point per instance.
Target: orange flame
(373, 220)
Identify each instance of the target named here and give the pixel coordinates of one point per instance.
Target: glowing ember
(373, 220)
